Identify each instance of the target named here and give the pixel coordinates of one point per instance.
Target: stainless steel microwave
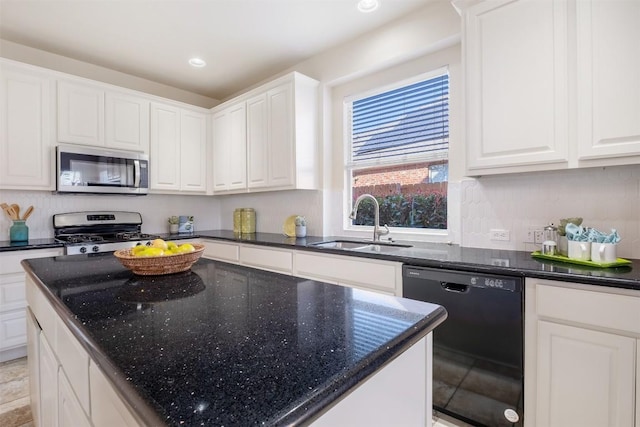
(83, 169)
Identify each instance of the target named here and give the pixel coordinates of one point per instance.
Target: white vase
(173, 228)
(301, 231)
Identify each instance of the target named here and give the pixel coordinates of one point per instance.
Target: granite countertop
(224, 344)
(7, 246)
(437, 255)
(440, 255)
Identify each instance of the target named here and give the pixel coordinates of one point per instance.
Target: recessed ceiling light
(367, 6)
(197, 62)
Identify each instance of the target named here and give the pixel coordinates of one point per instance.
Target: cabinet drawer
(13, 329)
(10, 261)
(268, 259)
(347, 270)
(42, 310)
(619, 312)
(221, 251)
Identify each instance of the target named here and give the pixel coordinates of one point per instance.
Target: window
(398, 152)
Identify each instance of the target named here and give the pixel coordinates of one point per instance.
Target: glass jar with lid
(248, 221)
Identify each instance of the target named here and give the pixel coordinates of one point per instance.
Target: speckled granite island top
(228, 345)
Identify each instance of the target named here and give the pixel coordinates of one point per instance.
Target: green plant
(398, 210)
(301, 221)
(173, 220)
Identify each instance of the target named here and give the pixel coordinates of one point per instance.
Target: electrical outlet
(538, 236)
(497, 234)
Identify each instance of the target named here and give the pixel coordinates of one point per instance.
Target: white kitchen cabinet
(222, 251)
(364, 273)
(193, 151)
(127, 122)
(13, 315)
(107, 408)
(177, 149)
(26, 128)
(70, 413)
(549, 85)
(280, 137)
(229, 149)
(80, 113)
(608, 79)
(91, 114)
(516, 84)
(272, 259)
(33, 366)
(47, 395)
(581, 354)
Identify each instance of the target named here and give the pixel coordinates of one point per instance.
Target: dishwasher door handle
(454, 287)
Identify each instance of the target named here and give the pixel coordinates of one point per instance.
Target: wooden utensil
(27, 213)
(16, 209)
(12, 213)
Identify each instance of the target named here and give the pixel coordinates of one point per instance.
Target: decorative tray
(618, 263)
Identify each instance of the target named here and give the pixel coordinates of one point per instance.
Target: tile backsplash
(605, 197)
(155, 209)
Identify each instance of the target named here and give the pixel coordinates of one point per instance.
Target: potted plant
(301, 226)
(173, 224)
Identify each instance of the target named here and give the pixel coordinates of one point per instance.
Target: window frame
(349, 166)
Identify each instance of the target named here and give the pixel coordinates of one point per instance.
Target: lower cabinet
(66, 388)
(363, 273)
(582, 355)
(13, 314)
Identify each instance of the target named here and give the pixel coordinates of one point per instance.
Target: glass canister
(248, 221)
(237, 221)
(19, 232)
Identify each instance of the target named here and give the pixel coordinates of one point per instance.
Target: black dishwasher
(478, 351)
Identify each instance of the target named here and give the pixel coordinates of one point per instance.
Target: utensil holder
(19, 232)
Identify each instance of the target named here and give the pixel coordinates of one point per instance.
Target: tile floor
(14, 394)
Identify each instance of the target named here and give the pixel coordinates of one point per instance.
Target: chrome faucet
(377, 231)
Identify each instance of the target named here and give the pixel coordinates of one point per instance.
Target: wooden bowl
(159, 265)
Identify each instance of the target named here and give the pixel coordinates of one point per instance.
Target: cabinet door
(13, 329)
(33, 364)
(165, 147)
(26, 153)
(48, 384)
(230, 149)
(257, 142)
(70, 413)
(281, 150)
(127, 122)
(80, 114)
(517, 84)
(193, 151)
(585, 378)
(608, 78)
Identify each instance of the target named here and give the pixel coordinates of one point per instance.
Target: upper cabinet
(178, 151)
(608, 79)
(92, 115)
(26, 129)
(275, 142)
(549, 86)
(229, 136)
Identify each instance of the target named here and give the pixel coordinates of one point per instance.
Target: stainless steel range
(100, 231)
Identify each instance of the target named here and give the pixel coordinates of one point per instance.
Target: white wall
(155, 209)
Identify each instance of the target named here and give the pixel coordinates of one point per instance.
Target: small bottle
(237, 221)
(248, 221)
(19, 232)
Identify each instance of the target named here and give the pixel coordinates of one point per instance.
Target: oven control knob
(95, 248)
(83, 250)
(149, 243)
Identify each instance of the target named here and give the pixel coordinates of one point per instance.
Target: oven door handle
(455, 287)
(136, 173)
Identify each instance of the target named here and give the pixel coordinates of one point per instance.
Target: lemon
(151, 252)
(172, 245)
(186, 248)
(159, 243)
(137, 249)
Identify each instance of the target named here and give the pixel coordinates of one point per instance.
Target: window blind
(410, 122)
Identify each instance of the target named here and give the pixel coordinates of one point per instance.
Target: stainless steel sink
(360, 246)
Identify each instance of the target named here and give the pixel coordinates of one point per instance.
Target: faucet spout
(377, 231)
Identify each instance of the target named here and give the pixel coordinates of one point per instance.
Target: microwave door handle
(136, 173)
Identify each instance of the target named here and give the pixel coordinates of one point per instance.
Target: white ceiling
(242, 41)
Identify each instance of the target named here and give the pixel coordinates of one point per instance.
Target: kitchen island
(223, 345)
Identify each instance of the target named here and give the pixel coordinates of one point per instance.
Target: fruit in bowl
(160, 257)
